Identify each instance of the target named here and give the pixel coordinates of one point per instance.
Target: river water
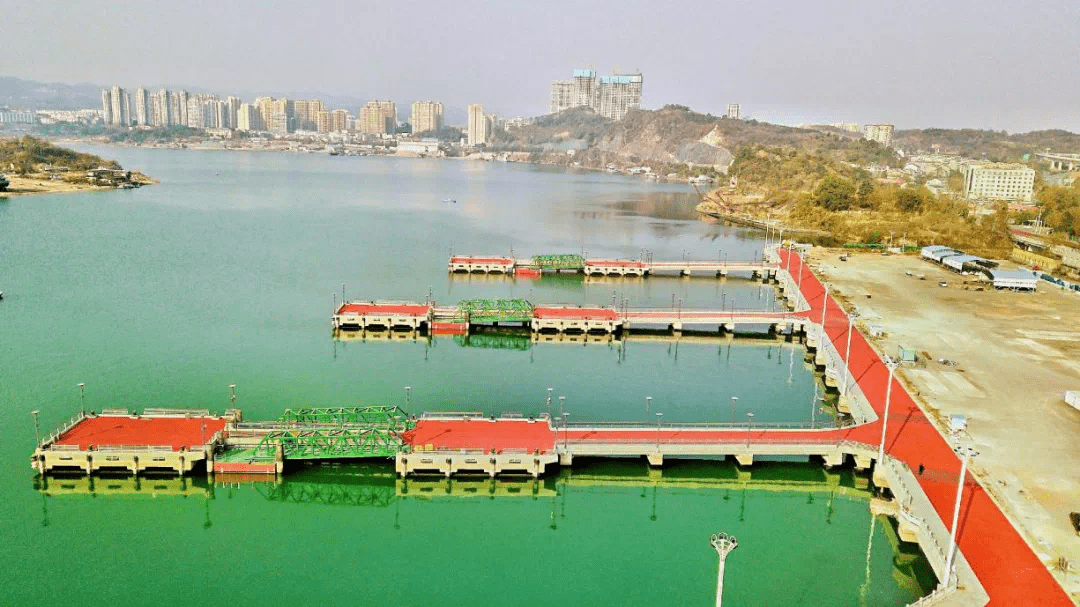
(227, 272)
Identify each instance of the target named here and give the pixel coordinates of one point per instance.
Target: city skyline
(926, 65)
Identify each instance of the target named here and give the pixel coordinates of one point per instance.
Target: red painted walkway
(482, 433)
(364, 309)
(1007, 567)
(174, 432)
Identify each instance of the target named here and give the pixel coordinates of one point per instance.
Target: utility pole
(966, 452)
(885, 417)
(724, 544)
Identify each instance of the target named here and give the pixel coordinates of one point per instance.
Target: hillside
(27, 154)
(672, 139)
(997, 146)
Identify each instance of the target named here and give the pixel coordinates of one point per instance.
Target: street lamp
(562, 401)
(847, 352)
(232, 396)
(885, 418)
(749, 427)
(82, 396)
(659, 417)
(37, 428)
(549, 390)
(565, 430)
(967, 452)
(724, 544)
(734, 403)
(648, 403)
(408, 389)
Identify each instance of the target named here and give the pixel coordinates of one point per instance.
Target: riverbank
(39, 183)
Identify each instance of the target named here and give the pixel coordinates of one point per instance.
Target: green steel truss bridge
(335, 433)
(496, 310)
(559, 262)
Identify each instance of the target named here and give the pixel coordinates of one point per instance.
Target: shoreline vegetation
(33, 166)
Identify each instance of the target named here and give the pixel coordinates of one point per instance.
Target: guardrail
(632, 425)
(168, 412)
(734, 439)
(62, 429)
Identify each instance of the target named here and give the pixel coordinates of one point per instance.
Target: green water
(226, 273)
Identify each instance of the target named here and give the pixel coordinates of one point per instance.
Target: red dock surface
(491, 260)
(364, 309)
(575, 313)
(482, 433)
(614, 263)
(174, 432)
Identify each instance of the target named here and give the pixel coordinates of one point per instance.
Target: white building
(142, 107)
(881, 133)
(609, 96)
(479, 126)
(733, 111)
(998, 181)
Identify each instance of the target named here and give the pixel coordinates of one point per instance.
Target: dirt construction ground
(1011, 358)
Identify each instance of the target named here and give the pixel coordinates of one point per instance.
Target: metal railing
(734, 439)
(705, 426)
(62, 429)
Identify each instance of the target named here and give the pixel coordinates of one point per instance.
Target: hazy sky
(917, 63)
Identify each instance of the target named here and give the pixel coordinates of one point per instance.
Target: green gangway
(559, 262)
(496, 310)
(336, 433)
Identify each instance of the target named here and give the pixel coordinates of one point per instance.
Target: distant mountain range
(30, 94)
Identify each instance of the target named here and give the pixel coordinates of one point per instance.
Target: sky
(917, 63)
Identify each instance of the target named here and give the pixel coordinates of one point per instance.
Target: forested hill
(674, 136)
(998, 146)
(23, 155)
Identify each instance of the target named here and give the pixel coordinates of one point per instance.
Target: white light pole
(659, 416)
(824, 308)
(648, 403)
(967, 452)
(734, 403)
(565, 430)
(724, 544)
(847, 352)
(37, 428)
(232, 396)
(749, 427)
(82, 396)
(549, 390)
(408, 389)
(562, 401)
(885, 418)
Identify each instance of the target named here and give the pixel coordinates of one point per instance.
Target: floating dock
(578, 264)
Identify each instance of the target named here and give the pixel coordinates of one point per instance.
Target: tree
(909, 199)
(863, 192)
(834, 193)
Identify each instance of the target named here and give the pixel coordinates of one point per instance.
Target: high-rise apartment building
(609, 96)
(562, 95)
(121, 106)
(426, 116)
(322, 121)
(282, 117)
(180, 107)
(232, 109)
(163, 109)
(618, 95)
(479, 125)
(106, 106)
(247, 118)
(264, 106)
(378, 117)
(339, 121)
(881, 133)
(733, 111)
(142, 107)
(307, 113)
(998, 181)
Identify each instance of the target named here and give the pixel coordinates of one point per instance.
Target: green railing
(559, 262)
(330, 443)
(496, 310)
(386, 417)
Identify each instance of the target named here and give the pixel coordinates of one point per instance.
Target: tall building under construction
(610, 96)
